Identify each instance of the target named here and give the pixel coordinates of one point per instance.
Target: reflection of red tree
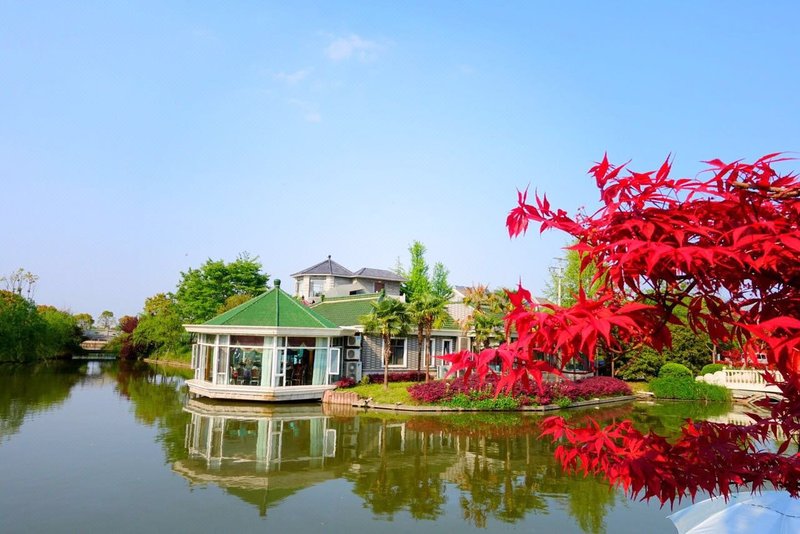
(722, 250)
(491, 427)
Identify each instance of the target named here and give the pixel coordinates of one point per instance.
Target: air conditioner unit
(353, 370)
(354, 341)
(352, 354)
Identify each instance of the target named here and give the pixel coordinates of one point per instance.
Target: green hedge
(674, 370)
(684, 388)
(711, 368)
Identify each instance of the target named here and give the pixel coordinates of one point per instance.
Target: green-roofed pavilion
(275, 308)
(272, 347)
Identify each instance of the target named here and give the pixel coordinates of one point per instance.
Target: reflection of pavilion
(264, 453)
(261, 453)
(258, 439)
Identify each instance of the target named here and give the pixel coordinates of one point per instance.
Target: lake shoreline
(347, 399)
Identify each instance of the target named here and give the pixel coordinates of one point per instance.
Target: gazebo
(271, 348)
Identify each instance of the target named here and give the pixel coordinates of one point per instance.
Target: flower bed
(470, 393)
(405, 376)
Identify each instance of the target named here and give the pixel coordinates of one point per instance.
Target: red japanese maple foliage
(723, 250)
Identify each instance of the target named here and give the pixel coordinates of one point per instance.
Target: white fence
(742, 380)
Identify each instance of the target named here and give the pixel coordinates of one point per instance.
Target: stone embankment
(348, 398)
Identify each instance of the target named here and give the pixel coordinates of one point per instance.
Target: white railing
(742, 379)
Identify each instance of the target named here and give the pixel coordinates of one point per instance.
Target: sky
(139, 139)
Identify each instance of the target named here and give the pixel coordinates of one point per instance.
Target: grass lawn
(397, 392)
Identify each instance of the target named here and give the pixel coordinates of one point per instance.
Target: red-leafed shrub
(431, 392)
(404, 376)
(441, 391)
(600, 386)
(346, 382)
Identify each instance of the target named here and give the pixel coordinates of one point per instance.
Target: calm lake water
(105, 446)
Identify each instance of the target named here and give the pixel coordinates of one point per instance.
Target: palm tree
(486, 319)
(388, 319)
(427, 312)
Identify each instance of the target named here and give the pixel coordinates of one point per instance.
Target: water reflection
(467, 470)
(28, 389)
(158, 396)
(260, 453)
(493, 464)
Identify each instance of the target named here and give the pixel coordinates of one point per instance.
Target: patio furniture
(298, 372)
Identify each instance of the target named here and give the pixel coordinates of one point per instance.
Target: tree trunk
(420, 355)
(387, 351)
(428, 355)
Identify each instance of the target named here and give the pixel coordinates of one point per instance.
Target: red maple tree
(723, 249)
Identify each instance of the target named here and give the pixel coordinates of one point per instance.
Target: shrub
(599, 386)
(675, 370)
(405, 376)
(430, 392)
(642, 366)
(480, 400)
(443, 392)
(346, 382)
(712, 392)
(563, 402)
(711, 368)
(684, 388)
(673, 388)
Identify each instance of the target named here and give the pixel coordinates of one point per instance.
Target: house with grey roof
(345, 296)
(331, 279)
(363, 353)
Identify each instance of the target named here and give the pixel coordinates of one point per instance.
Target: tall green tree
(28, 332)
(233, 301)
(160, 328)
(106, 319)
(440, 284)
(84, 320)
(417, 278)
(201, 292)
(21, 328)
(61, 336)
(427, 295)
(21, 281)
(387, 319)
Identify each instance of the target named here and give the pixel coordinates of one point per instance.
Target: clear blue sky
(138, 139)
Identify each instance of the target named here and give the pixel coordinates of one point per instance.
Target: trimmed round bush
(711, 368)
(674, 370)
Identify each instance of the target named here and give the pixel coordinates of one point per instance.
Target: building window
(379, 286)
(397, 358)
(316, 287)
(447, 346)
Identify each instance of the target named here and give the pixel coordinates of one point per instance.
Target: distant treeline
(29, 332)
